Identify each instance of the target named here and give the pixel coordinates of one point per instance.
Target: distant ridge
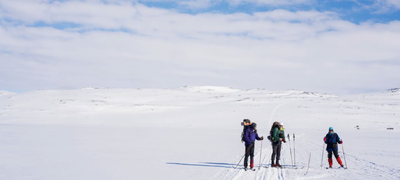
(220, 89)
(5, 93)
(393, 90)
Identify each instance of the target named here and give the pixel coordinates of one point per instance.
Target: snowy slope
(191, 133)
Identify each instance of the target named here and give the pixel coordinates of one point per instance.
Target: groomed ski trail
(264, 173)
(358, 167)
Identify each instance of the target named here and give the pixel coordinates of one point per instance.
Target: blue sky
(338, 46)
(351, 10)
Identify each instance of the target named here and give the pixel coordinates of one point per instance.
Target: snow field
(191, 133)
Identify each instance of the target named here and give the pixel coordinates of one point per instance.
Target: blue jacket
(331, 141)
(250, 135)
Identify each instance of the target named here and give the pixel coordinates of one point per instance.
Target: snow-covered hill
(191, 133)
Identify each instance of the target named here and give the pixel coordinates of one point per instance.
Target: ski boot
(277, 164)
(272, 163)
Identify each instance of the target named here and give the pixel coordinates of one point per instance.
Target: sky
(329, 46)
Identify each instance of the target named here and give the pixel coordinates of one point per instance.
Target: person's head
(254, 125)
(246, 122)
(331, 129)
(275, 124)
(281, 125)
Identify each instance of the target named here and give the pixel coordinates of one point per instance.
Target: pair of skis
(340, 167)
(251, 169)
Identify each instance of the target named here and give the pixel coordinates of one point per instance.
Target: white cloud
(131, 45)
(393, 3)
(202, 4)
(270, 2)
(380, 6)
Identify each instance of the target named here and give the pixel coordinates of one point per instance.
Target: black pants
(276, 151)
(334, 153)
(249, 152)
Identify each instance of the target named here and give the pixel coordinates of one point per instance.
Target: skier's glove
(341, 142)
(262, 138)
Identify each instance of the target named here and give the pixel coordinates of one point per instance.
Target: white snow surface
(192, 133)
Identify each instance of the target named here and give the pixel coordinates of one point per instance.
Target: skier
(277, 137)
(250, 135)
(332, 139)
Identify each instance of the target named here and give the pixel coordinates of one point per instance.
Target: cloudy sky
(332, 46)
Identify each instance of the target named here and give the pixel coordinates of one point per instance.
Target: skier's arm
(338, 139)
(258, 137)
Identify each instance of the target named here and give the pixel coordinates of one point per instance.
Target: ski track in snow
(372, 169)
(359, 168)
(265, 171)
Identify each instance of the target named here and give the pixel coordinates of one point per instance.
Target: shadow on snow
(205, 164)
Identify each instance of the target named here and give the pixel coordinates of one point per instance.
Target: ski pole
(344, 155)
(322, 158)
(291, 159)
(243, 155)
(294, 149)
(308, 166)
(260, 155)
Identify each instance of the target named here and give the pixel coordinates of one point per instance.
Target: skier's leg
(274, 149)
(246, 156)
(330, 158)
(338, 158)
(329, 154)
(336, 154)
(252, 156)
(278, 154)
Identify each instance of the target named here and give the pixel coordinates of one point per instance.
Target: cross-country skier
(277, 137)
(250, 135)
(331, 140)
